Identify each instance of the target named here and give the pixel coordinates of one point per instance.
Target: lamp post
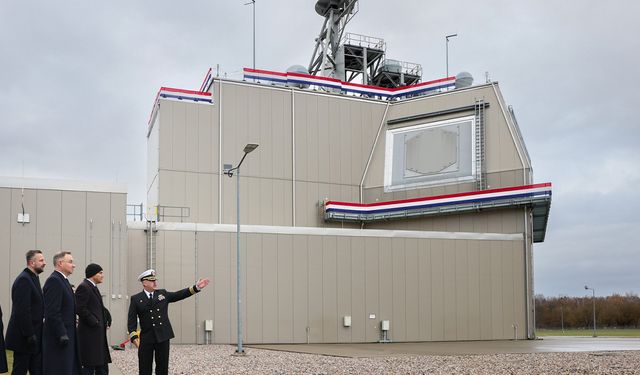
(228, 170)
(447, 49)
(594, 308)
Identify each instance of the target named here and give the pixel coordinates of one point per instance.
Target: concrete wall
(432, 286)
(89, 222)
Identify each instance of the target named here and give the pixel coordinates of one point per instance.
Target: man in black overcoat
(151, 307)
(92, 324)
(59, 339)
(24, 331)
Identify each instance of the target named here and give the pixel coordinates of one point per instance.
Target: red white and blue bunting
(348, 87)
(460, 202)
(169, 93)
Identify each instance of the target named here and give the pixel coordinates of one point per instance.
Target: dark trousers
(27, 361)
(97, 370)
(145, 357)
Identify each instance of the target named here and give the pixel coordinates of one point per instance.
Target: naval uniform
(155, 327)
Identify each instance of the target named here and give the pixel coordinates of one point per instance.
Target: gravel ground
(218, 359)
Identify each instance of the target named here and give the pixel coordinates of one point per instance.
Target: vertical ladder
(481, 176)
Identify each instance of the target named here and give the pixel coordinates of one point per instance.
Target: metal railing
(173, 212)
(135, 211)
(370, 42)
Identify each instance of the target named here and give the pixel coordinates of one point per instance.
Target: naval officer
(151, 307)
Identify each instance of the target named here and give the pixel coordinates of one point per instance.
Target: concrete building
(456, 269)
(87, 219)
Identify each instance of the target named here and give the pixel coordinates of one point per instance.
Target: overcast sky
(78, 79)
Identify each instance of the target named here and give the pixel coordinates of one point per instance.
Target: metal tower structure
(327, 60)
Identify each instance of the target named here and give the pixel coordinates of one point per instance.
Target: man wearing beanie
(92, 323)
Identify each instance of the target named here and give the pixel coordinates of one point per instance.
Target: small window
(430, 154)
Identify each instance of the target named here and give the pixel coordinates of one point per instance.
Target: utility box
(346, 321)
(208, 325)
(384, 325)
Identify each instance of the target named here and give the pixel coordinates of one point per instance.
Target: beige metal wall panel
(473, 297)
(188, 276)
(253, 296)
(179, 126)
(98, 228)
(497, 292)
(192, 186)
(344, 288)
(74, 223)
(315, 320)
(372, 284)
(224, 312)
(424, 291)
(399, 287)
(329, 290)
(23, 236)
(485, 290)
(136, 261)
(359, 318)
(270, 290)
(164, 125)
(449, 290)
(462, 290)
(438, 272)
(300, 288)
(207, 198)
(191, 136)
(299, 285)
(153, 163)
(205, 267)
(173, 189)
(207, 139)
(47, 219)
(284, 288)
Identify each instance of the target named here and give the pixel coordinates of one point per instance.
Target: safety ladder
(481, 176)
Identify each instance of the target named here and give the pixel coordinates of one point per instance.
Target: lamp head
(250, 147)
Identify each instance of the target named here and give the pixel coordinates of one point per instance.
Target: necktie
(151, 296)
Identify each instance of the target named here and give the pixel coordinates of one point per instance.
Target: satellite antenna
(326, 60)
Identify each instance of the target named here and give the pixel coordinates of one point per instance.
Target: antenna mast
(328, 59)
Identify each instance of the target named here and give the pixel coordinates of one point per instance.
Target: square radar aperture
(430, 154)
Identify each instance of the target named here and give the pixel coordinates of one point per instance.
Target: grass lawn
(9, 360)
(625, 332)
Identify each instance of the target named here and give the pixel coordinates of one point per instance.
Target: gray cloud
(79, 78)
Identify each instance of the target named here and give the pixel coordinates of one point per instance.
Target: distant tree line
(614, 311)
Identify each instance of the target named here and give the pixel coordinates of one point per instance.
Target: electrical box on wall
(23, 218)
(208, 325)
(346, 321)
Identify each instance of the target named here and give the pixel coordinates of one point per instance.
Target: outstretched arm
(187, 292)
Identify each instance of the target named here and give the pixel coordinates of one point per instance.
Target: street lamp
(447, 48)
(594, 308)
(228, 170)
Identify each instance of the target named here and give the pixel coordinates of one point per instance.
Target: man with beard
(59, 339)
(92, 324)
(24, 332)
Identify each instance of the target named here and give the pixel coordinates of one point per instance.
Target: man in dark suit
(3, 352)
(24, 331)
(59, 339)
(151, 307)
(92, 324)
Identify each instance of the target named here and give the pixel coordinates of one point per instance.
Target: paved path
(546, 345)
